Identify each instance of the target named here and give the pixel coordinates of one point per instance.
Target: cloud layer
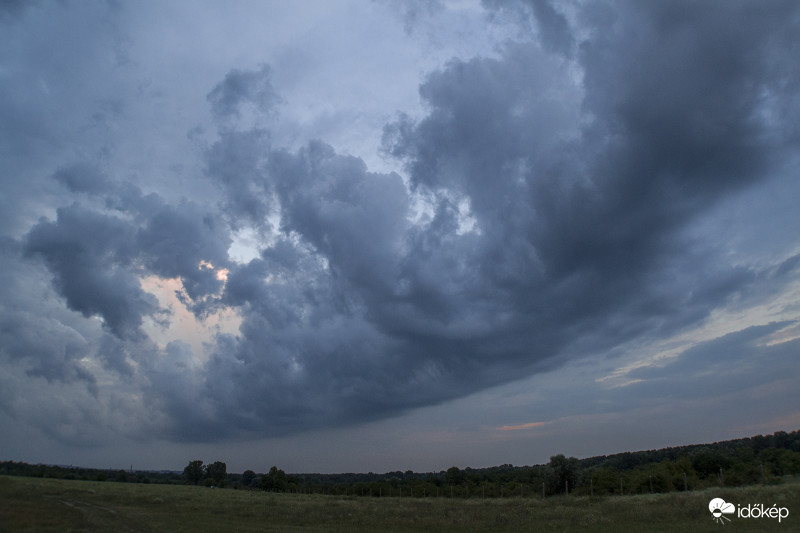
(551, 203)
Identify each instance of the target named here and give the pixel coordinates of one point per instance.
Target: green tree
(275, 480)
(455, 476)
(193, 471)
(217, 471)
(605, 480)
(247, 477)
(565, 471)
(708, 462)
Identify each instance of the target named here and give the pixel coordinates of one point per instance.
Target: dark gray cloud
(187, 242)
(600, 215)
(97, 254)
(549, 211)
(554, 222)
(83, 178)
(237, 160)
(34, 333)
(553, 28)
(90, 255)
(241, 89)
(556, 34)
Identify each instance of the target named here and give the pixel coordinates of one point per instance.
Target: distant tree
(216, 472)
(708, 462)
(455, 476)
(275, 480)
(605, 480)
(565, 471)
(247, 477)
(193, 471)
(780, 461)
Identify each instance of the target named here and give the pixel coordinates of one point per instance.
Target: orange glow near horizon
(523, 426)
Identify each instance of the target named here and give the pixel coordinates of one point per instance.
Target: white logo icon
(719, 508)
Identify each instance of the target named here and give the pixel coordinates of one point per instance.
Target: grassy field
(35, 504)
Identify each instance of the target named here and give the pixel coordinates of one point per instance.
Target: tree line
(759, 459)
(215, 475)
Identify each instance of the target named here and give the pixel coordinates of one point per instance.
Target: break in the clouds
(601, 180)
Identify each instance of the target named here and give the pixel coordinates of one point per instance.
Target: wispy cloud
(529, 425)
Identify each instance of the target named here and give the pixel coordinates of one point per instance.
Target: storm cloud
(541, 230)
(550, 203)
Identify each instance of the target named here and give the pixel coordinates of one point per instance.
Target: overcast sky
(371, 236)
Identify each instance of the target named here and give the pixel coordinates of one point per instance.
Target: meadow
(41, 504)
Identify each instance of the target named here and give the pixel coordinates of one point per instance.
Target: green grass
(34, 504)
